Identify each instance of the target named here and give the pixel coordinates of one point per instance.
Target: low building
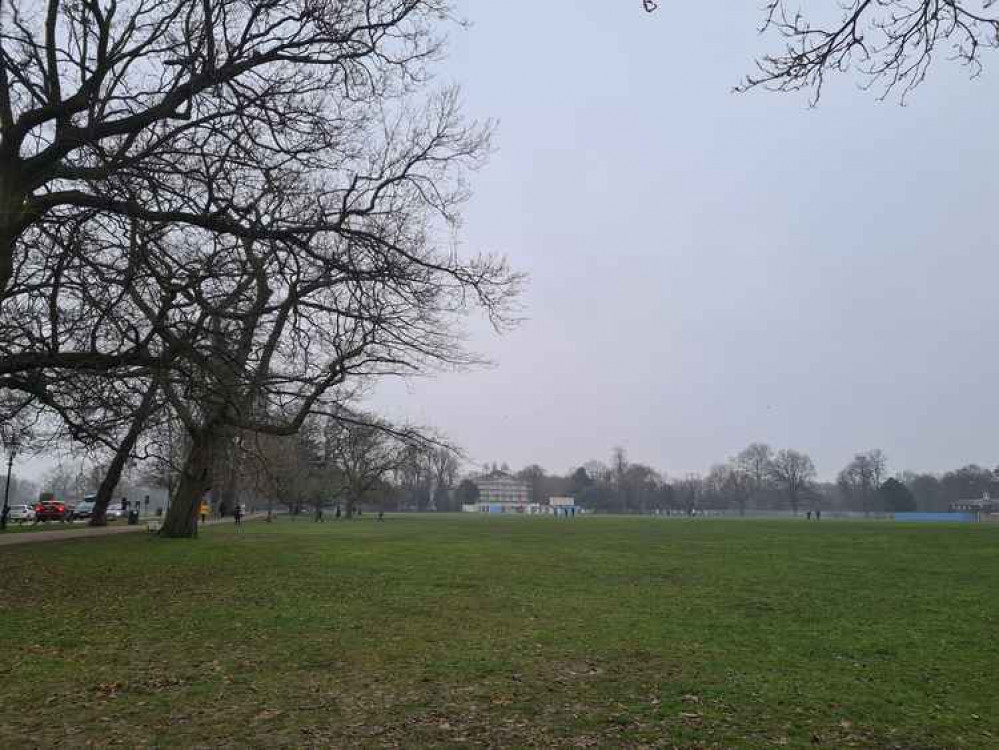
(982, 508)
(500, 492)
(500, 488)
(563, 506)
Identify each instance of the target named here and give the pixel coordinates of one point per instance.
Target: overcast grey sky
(708, 269)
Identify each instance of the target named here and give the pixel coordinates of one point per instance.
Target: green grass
(473, 631)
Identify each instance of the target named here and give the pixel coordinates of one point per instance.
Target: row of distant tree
(329, 462)
(367, 464)
(759, 478)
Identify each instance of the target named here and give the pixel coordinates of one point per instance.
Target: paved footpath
(27, 537)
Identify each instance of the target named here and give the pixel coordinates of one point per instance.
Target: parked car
(86, 508)
(53, 510)
(115, 511)
(21, 513)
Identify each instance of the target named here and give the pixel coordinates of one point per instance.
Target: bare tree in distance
(793, 472)
(754, 461)
(732, 480)
(861, 479)
(689, 492)
(443, 465)
(534, 475)
(293, 468)
(364, 452)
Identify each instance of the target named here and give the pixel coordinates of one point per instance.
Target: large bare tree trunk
(225, 476)
(113, 475)
(181, 521)
(108, 483)
(11, 210)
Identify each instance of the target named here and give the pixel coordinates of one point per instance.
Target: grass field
(485, 632)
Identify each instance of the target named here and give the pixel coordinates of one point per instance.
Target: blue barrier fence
(937, 517)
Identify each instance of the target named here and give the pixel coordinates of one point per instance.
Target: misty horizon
(709, 269)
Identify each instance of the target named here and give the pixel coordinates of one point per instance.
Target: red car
(53, 510)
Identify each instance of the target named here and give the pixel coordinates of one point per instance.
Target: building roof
(984, 502)
(500, 477)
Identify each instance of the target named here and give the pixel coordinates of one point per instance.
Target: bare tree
(263, 221)
(755, 462)
(99, 104)
(364, 452)
(734, 482)
(443, 463)
(891, 43)
(414, 477)
(534, 475)
(688, 492)
(426, 472)
(860, 479)
(793, 472)
(291, 468)
(62, 480)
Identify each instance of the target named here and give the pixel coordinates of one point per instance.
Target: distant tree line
(758, 478)
(353, 462)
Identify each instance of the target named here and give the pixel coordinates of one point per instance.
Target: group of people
(205, 510)
(818, 515)
(321, 519)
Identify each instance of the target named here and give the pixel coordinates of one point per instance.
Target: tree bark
(11, 215)
(113, 475)
(108, 483)
(181, 521)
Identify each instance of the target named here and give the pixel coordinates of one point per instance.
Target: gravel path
(86, 532)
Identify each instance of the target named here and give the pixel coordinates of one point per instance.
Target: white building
(562, 506)
(500, 492)
(500, 487)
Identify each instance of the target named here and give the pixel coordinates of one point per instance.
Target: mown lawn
(490, 632)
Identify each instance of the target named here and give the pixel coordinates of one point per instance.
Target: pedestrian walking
(204, 511)
(237, 514)
(808, 515)
(337, 514)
